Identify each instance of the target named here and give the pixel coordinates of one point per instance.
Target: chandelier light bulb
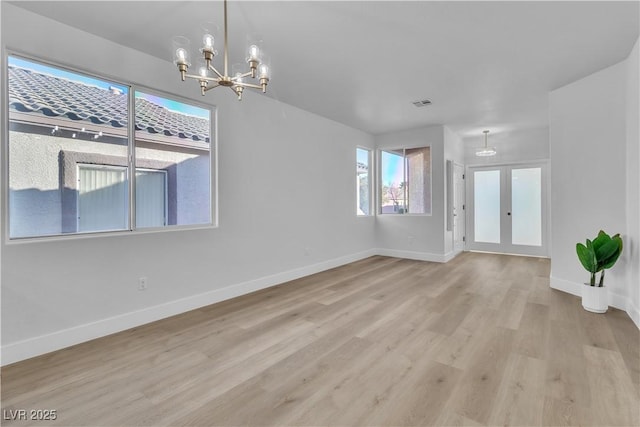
(207, 42)
(181, 54)
(254, 51)
(264, 71)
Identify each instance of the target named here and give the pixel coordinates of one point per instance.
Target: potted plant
(597, 256)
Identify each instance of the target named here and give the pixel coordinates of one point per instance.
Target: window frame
(370, 173)
(130, 160)
(380, 184)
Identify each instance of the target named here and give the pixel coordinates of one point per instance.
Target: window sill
(103, 234)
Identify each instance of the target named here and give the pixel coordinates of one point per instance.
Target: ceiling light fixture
(486, 151)
(258, 64)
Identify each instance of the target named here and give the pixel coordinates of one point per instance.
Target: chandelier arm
(199, 77)
(212, 68)
(248, 85)
(208, 88)
(247, 74)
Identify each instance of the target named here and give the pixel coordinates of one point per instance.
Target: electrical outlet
(142, 284)
(307, 251)
(410, 239)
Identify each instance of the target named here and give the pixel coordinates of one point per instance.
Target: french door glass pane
(526, 206)
(487, 206)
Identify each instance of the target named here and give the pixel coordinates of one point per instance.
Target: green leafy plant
(599, 255)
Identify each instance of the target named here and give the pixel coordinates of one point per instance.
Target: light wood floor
(481, 340)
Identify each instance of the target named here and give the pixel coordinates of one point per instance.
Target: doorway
(508, 209)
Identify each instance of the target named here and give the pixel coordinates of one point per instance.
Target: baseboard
(418, 256)
(633, 312)
(615, 300)
(36, 346)
(451, 255)
(567, 286)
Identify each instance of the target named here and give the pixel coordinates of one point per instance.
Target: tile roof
(34, 92)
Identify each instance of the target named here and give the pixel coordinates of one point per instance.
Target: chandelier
(486, 151)
(208, 76)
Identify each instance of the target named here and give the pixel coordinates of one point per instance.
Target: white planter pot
(594, 299)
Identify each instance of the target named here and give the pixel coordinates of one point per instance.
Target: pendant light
(486, 151)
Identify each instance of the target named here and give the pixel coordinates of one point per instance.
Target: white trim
(451, 255)
(615, 300)
(418, 256)
(566, 286)
(36, 346)
(633, 312)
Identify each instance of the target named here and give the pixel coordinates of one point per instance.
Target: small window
(363, 180)
(405, 181)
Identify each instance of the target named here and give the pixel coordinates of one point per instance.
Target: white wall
(588, 138)
(416, 236)
(512, 146)
(286, 188)
(632, 241)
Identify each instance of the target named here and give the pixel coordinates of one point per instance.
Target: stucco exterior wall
(36, 180)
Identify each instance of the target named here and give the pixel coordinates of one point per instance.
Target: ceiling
(484, 65)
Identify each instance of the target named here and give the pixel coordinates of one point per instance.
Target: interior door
(508, 209)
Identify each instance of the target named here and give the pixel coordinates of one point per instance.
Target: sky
(43, 69)
(176, 106)
(392, 168)
(362, 156)
(171, 105)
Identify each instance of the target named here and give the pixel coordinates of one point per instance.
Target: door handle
(509, 213)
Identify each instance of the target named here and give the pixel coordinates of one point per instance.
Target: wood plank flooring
(481, 340)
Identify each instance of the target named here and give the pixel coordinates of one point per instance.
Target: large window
(405, 181)
(363, 179)
(74, 167)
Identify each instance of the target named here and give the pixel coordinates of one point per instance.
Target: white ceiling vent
(422, 103)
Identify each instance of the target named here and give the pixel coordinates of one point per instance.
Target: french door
(508, 209)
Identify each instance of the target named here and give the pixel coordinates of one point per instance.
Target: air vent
(422, 103)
